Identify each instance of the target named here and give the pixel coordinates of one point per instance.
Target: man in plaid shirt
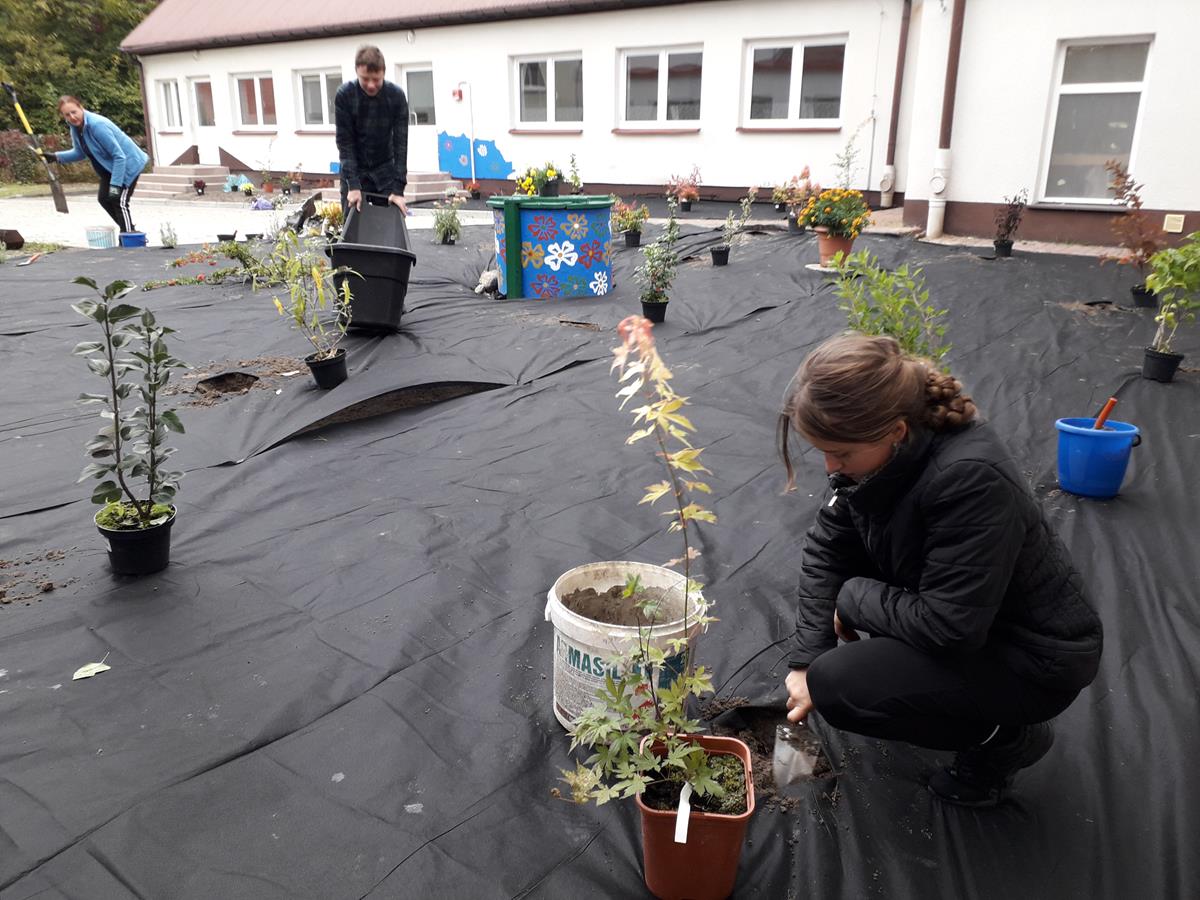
(372, 133)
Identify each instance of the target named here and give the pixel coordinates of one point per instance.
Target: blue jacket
(112, 152)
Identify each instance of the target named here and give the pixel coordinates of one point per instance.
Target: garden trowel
(797, 751)
(56, 191)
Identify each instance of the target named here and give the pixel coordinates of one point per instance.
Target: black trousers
(368, 187)
(117, 207)
(884, 688)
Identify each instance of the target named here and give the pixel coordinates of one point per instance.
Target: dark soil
(728, 772)
(210, 384)
(26, 580)
(613, 608)
(226, 383)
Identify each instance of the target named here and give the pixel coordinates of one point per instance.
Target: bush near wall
(19, 164)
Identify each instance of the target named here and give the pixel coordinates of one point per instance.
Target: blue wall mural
(454, 156)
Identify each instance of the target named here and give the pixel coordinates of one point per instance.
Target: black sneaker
(981, 775)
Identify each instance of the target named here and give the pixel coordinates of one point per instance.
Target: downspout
(145, 111)
(887, 184)
(939, 182)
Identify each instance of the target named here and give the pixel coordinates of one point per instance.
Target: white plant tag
(684, 814)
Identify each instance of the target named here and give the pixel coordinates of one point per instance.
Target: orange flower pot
(705, 868)
(830, 245)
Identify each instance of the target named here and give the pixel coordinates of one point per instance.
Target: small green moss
(124, 516)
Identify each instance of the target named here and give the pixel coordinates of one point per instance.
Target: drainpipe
(887, 184)
(939, 182)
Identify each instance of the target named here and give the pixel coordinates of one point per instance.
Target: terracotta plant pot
(705, 868)
(830, 245)
(655, 312)
(1159, 366)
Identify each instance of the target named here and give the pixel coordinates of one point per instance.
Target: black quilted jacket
(946, 550)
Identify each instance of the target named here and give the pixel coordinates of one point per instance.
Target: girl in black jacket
(932, 544)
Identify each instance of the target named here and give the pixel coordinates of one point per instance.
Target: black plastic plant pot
(549, 189)
(447, 239)
(1143, 297)
(1003, 248)
(139, 551)
(794, 226)
(474, 195)
(720, 255)
(1159, 366)
(328, 373)
(295, 186)
(655, 312)
(685, 205)
(227, 237)
(633, 239)
(199, 192)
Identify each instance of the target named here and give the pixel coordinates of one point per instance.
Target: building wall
(480, 55)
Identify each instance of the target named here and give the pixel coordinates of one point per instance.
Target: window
(550, 90)
(794, 82)
(168, 94)
(418, 87)
(202, 97)
(317, 90)
(661, 85)
(255, 99)
(1096, 106)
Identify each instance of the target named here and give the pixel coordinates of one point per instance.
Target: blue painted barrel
(553, 246)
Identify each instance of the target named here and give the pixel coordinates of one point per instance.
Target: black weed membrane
(341, 686)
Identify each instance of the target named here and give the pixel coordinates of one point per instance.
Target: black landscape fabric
(341, 686)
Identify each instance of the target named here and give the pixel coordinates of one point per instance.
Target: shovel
(797, 751)
(56, 191)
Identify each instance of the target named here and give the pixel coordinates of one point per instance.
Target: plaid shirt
(372, 136)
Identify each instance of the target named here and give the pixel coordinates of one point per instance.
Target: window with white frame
(418, 88)
(549, 89)
(168, 95)
(793, 82)
(202, 103)
(1095, 113)
(661, 85)
(255, 100)
(317, 89)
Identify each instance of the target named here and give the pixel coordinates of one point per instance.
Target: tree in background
(54, 47)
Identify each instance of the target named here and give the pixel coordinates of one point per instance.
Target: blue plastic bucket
(133, 239)
(1092, 463)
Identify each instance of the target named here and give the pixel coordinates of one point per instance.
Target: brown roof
(199, 24)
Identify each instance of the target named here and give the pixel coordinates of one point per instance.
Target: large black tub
(374, 245)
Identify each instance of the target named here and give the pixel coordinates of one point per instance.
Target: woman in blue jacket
(115, 157)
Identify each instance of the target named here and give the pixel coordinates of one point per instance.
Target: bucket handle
(1137, 440)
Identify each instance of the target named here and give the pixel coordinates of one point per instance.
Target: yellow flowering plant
(315, 303)
(533, 179)
(844, 212)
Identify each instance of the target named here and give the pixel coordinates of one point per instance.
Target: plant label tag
(684, 814)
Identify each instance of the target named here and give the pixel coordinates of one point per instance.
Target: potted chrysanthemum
(838, 216)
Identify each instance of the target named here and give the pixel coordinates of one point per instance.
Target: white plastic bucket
(586, 650)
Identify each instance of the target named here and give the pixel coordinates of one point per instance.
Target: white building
(1024, 94)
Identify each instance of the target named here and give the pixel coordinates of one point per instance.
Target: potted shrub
(694, 792)
(313, 303)
(780, 196)
(630, 218)
(657, 271)
(1137, 235)
(685, 188)
(1175, 279)
(838, 215)
(198, 186)
(446, 224)
(573, 178)
(295, 180)
(540, 180)
(1008, 219)
(732, 228)
(473, 189)
(132, 445)
(248, 189)
(800, 189)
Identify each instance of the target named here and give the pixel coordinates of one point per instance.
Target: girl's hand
(799, 703)
(846, 634)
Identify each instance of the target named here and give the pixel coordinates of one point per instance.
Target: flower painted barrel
(553, 246)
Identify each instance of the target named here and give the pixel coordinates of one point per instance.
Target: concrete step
(185, 180)
(421, 177)
(191, 171)
(152, 193)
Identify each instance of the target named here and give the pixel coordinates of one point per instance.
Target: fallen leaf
(91, 669)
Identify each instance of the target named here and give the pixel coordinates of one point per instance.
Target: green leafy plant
(1009, 214)
(659, 261)
(735, 225)
(133, 445)
(846, 160)
(314, 302)
(877, 301)
(446, 222)
(844, 213)
(533, 179)
(1175, 278)
(1139, 237)
(637, 731)
(629, 216)
(573, 178)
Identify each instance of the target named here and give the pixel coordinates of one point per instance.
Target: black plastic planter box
(375, 246)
